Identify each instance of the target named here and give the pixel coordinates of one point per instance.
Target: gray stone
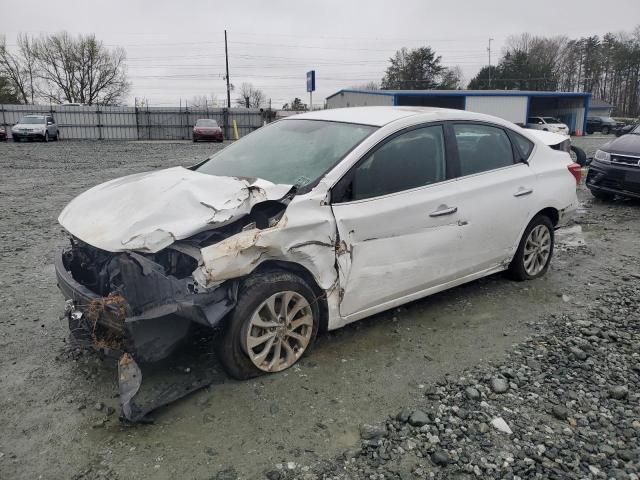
(440, 457)
(403, 415)
(499, 385)
(373, 432)
(560, 412)
(472, 393)
(578, 353)
(618, 392)
(418, 418)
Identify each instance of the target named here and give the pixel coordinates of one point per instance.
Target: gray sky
(176, 49)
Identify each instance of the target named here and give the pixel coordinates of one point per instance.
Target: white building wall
(358, 99)
(513, 109)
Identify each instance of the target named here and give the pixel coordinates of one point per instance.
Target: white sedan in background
(308, 224)
(547, 124)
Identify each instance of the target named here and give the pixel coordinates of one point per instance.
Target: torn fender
(161, 207)
(305, 235)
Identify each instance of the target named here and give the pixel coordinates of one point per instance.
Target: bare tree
(250, 97)
(80, 70)
(372, 85)
(202, 101)
(20, 68)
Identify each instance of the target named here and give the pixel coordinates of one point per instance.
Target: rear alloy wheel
(272, 326)
(46, 137)
(535, 250)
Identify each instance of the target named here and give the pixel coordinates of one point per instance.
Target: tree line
(60, 68)
(607, 66)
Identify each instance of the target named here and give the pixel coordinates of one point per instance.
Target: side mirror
(540, 123)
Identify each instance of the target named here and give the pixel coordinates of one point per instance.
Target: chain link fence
(136, 123)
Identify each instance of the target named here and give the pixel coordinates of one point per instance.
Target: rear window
(482, 148)
(206, 123)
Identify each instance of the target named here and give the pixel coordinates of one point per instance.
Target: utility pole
(226, 60)
(489, 50)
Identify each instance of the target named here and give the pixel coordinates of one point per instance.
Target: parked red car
(3, 134)
(207, 129)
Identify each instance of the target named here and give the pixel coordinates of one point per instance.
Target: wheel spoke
(290, 354)
(253, 342)
(298, 306)
(300, 338)
(261, 323)
(304, 320)
(275, 361)
(258, 359)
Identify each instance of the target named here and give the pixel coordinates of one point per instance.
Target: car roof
(379, 116)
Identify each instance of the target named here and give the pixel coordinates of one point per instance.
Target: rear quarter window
(524, 146)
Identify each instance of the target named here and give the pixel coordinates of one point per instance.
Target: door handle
(443, 210)
(523, 191)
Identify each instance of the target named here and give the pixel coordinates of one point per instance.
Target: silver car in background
(35, 127)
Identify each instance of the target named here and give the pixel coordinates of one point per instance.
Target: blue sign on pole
(311, 81)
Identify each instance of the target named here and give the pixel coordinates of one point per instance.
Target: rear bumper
(615, 179)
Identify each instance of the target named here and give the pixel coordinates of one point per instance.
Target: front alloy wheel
(279, 331)
(273, 324)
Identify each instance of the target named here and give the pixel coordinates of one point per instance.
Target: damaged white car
(305, 225)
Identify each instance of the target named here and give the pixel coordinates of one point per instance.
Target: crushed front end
(137, 307)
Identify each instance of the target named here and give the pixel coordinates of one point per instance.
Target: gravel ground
(561, 349)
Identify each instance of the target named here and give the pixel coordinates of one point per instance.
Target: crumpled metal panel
(161, 207)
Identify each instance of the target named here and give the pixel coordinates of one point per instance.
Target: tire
(16, 139)
(581, 156)
(606, 130)
(604, 196)
(232, 345)
(45, 139)
(517, 268)
(57, 137)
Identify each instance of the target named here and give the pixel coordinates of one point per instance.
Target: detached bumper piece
(142, 317)
(621, 177)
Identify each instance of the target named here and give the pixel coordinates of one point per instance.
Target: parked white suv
(38, 127)
(548, 124)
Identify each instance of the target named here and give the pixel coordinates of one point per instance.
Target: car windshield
(203, 122)
(291, 152)
(551, 120)
(32, 120)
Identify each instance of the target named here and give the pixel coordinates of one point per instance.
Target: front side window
(534, 120)
(290, 152)
(410, 160)
(482, 148)
(551, 120)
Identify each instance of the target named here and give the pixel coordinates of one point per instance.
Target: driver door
(397, 223)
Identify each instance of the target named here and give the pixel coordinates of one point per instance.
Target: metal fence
(135, 123)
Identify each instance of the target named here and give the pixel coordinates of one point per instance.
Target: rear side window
(482, 148)
(523, 145)
(410, 160)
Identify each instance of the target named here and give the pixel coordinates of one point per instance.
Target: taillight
(576, 171)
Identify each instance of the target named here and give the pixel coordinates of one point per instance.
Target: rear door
(496, 194)
(397, 222)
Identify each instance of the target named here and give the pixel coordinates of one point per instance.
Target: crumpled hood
(149, 211)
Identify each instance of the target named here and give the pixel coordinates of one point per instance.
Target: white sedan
(308, 224)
